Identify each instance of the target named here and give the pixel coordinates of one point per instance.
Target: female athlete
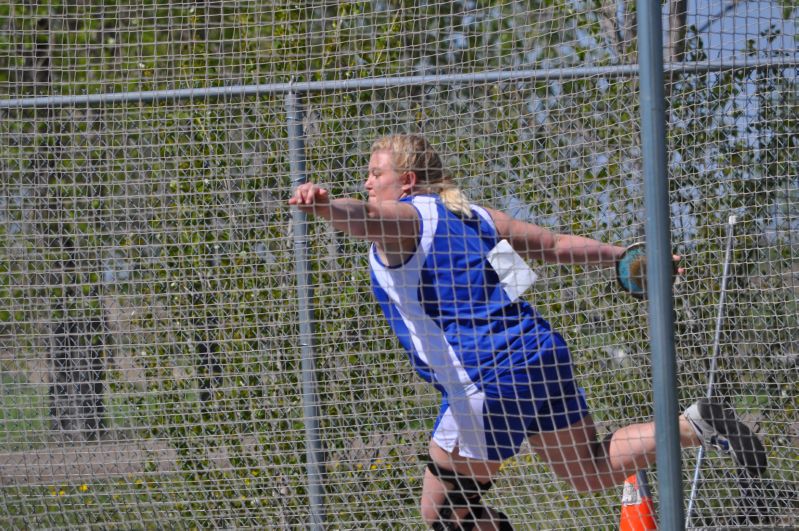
(449, 276)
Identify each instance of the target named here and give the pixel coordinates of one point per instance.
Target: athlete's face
(384, 182)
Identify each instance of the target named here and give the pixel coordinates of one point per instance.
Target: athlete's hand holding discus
(631, 270)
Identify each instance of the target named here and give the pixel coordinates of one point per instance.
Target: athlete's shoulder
(422, 198)
(483, 212)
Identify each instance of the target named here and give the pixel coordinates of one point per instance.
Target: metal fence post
(659, 258)
(313, 450)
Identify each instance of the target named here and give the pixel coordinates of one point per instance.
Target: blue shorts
(492, 424)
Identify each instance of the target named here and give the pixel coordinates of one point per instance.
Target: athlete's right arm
(389, 223)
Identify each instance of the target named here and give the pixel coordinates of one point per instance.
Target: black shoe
(717, 427)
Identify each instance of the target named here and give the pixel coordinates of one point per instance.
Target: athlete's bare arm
(392, 225)
(537, 243)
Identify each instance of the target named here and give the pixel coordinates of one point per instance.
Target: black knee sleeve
(463, 493)
(601, 449)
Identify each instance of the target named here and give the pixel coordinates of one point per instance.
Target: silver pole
(243, 91)
(659, 260)
(713, 362)
(313, 450)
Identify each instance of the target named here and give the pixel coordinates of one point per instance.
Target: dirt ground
(57, 464)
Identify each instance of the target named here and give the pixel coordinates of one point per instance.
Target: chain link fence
(150, 334)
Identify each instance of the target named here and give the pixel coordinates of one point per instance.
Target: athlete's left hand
(309, 196)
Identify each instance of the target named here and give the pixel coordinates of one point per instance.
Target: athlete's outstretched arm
(537, 243)
(384, 222)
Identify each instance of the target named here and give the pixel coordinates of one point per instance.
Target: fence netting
(150, 345)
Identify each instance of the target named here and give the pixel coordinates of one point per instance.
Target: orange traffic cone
(637, 510)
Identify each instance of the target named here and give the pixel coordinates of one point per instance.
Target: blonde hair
(415, 154)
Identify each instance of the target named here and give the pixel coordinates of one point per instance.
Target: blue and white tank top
(462, 330)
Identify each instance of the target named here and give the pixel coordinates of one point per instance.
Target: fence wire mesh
(149, 334)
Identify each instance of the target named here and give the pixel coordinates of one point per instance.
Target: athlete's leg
(575, 454)
(451, 492)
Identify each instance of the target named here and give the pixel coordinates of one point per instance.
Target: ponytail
(452, 197)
